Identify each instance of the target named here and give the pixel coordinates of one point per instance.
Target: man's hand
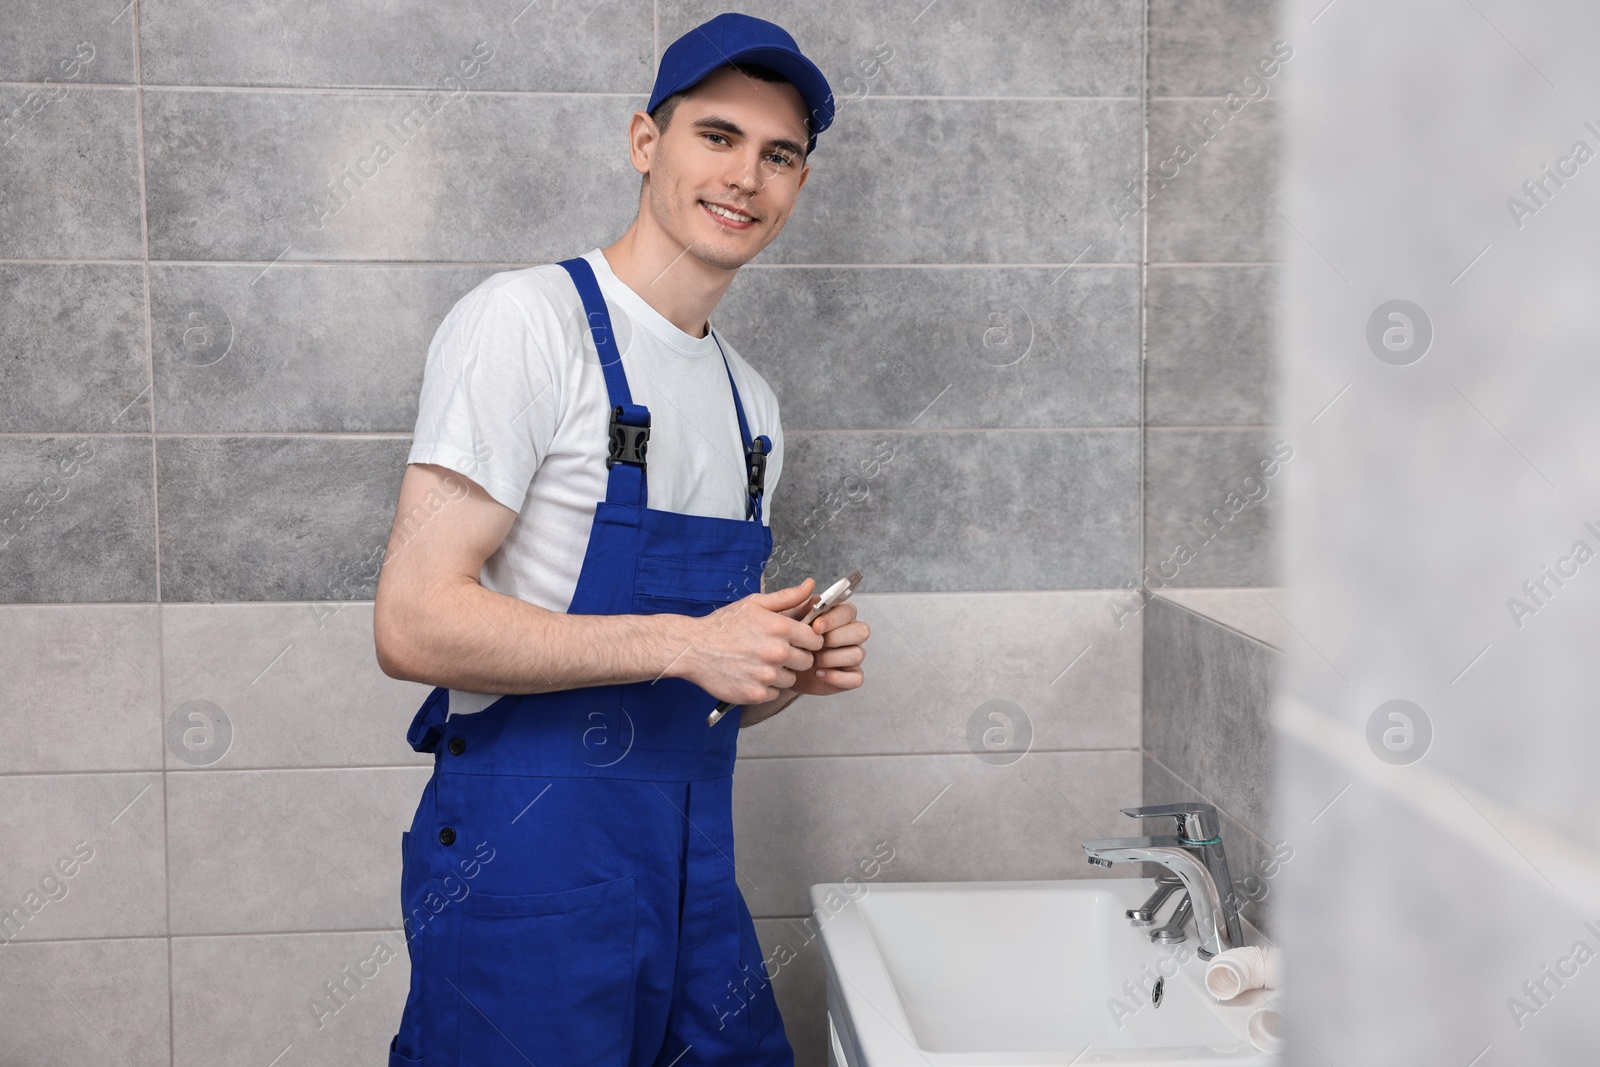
(837, 667)
(834, 669)
(749, 651)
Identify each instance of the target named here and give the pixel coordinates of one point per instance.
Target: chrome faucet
(1195, 855)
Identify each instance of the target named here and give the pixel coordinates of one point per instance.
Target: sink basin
(968, 973)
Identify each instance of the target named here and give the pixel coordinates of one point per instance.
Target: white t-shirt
(513, 396)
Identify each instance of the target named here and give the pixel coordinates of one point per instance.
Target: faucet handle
(1197, 821)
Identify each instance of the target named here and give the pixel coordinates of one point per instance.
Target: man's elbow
(394, 655)
(392, 665)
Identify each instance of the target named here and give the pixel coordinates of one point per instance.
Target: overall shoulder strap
(755, 452)
(629, 431)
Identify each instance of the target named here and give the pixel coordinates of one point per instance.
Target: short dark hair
(662, 115)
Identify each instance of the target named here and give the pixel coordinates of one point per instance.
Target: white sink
(992, 973)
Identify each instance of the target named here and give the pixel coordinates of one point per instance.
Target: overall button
(458, 745)
(447, 836)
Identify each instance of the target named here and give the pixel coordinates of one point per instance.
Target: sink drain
(1157, 993)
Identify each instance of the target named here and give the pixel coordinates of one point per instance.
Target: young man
(575, 566)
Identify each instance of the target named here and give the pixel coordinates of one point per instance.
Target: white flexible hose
(1237, 969)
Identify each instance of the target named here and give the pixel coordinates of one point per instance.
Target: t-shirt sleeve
(489, 404)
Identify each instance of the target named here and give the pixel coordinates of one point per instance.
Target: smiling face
(733, 145)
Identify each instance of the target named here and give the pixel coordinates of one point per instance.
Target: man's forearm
(468, 637)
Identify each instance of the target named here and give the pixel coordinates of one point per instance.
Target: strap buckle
(629, 441)
(755, 458)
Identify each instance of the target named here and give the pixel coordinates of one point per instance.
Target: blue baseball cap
(735, 38)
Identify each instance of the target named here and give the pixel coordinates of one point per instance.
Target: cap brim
(805, 76)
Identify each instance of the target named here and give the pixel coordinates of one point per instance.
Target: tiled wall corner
(1208, 691)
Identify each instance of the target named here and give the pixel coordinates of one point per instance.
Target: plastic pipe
(1235, 970)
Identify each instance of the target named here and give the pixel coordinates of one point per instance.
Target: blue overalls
(568, 880)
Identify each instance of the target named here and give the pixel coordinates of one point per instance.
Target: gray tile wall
(1214, 233)
(209, 378)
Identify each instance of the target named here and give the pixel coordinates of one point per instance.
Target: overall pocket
(690, 587)
(548, 977)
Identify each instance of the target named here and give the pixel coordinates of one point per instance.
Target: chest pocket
(690, 586)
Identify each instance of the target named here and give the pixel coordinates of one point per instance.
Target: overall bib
(568, 884)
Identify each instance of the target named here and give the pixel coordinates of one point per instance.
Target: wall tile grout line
(396, 435)
(914, 431)
(953, 753)
(155, 512)
(54, 604)
(356, 435)
(266, 933)
(1144, 342)
(1210, 99)
(155, 509)
(423, 765)
(414, 90)
(101, 773)
(450, 264)
(107, 772)
(369, 90)
(1163, 427)
(1218, 263)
